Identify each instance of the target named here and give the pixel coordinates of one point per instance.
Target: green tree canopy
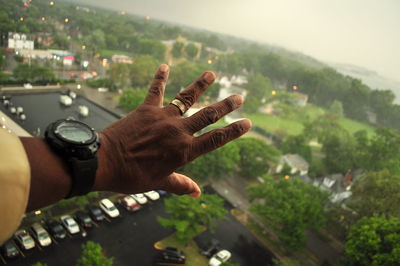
(258, 88)
(120, 75)
(142, 71)
(255, 157)
(152, 47)
(336, 108)
(132, 98)
(188, 215)
(92, 255)
(289, 206)
(376, 193)
(219, 163)
(33, 73)
(191, 50)
(374, 241)
(297, 144)
(177, 49)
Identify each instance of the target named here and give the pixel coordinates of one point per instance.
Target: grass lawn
(192, 251)
(109, 53)
(353, 126)
(272, 123)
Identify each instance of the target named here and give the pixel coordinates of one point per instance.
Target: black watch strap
(83, 176)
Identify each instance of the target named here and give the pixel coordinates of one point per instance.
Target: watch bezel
(57, 134)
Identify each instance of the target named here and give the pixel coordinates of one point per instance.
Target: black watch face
(74, 131)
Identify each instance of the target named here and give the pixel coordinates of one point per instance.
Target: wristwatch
(78, 144)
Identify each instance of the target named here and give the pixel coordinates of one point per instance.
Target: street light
(51, 3)
(209, 61)
(43, 18)
(66, 20)
(273, 92)
(21, 18)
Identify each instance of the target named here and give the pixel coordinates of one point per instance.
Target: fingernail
(238, 99)
(164, 68)
(246, 123)
(209, 77)
(195, 194)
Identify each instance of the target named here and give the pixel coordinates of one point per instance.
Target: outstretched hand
(141, 151)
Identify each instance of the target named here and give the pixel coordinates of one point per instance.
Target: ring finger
(190, 95)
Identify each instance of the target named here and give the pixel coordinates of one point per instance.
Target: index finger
(218, 137)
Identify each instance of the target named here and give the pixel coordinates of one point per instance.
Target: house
(44, 39)
(121, 59)
(296, 163)
(300, 99)
(18, 41)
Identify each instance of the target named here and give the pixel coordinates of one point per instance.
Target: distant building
(59, 55)
(44, 39)
(121, 59)
(300, 99)
(296, 163)
(18, 41)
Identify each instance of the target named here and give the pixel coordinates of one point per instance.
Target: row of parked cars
(80, 222)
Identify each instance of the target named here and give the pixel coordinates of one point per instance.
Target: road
(130, 239)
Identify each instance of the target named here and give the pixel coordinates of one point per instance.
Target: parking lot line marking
(96, 224)
(3, 259)
(108, 220)
(54, 240)
(20, 251)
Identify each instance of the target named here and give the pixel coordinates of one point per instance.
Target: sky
(365, 33)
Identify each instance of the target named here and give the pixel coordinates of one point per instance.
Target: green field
(294, 126)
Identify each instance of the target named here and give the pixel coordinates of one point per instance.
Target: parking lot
(130, 239)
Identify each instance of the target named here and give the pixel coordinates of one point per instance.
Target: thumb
(181, 185)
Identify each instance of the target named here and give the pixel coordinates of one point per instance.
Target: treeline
(323, 86)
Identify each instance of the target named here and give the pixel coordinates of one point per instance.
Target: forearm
(50, 179)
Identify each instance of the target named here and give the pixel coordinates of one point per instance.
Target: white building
(296, 163)
(18, 41)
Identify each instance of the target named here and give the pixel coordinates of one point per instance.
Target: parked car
(140, 198)
(56, 230)
(162, 193)
(96, 213)
(9, 250)
(24, 239)
(211, 248)
(41, 235)
(129, 203)
(70, 224)
(109, 208)
(174, 252)
(220, 257)
(84, 219)
(153, 195)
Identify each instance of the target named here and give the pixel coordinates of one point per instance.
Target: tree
(191, 50)
(132, 98)
(119, 74)
(142, 71)
(297, 144)
(336, 108)
(2, 59)
(382, 151)
(258, 87)
(339, 153)
(219, 163)
(151, 47)
(188, 215)
(177, 49)
(39, 264)
(255, 157)
(289, 206)
(374, 241)
(33, 73)
(376, 193)
(92, 255)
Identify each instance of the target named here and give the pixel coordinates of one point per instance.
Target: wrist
(107, 171)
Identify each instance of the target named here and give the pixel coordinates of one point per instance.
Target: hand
(141, 151)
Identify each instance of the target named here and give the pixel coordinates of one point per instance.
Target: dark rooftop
(42, 108)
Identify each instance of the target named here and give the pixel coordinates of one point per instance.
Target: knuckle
(201, 83)
(230, 104)
(159, 76)
(237, 128)
(155, 89)
(210, 115)
(218, 137)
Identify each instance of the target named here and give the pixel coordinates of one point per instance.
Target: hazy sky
(360, 32)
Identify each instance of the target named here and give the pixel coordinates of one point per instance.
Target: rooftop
(43, 107)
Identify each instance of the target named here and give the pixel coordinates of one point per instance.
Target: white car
(70, 224)
(153, 195)
(139, 198)
(41, 234)
(219, 258)
(109, 208)
(24, 239)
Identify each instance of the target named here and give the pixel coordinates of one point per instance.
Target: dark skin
(141, 151)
